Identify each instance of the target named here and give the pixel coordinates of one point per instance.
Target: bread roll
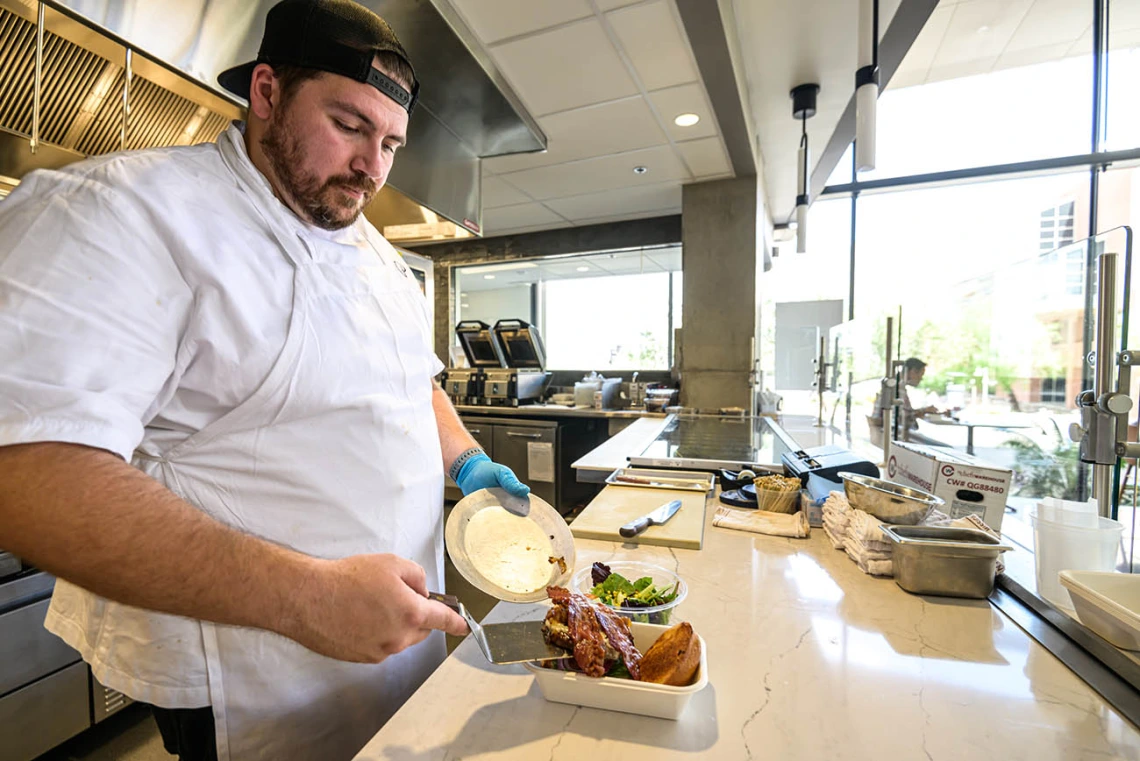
(674, 658)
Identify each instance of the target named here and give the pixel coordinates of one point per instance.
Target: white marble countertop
(553, 410)
(809, 659)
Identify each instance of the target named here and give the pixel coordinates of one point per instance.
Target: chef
(223, 318)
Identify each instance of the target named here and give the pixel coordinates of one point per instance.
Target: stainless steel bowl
(888, 501)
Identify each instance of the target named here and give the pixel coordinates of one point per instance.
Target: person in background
(223, 318)
(914, 369)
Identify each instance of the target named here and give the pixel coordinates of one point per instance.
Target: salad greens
(617, 591)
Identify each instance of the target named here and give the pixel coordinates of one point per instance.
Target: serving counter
(808, 659)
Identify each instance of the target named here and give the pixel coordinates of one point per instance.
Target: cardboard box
(966, 483)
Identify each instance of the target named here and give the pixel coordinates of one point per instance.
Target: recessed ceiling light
(686, 120)
(463, 295)
(640, 169)
(583, 269)
(983, 29)
(465, 306)
(488, 277)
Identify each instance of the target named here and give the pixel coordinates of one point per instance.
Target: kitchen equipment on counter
(700, 442)
(1108, 603)
(606, 397)
(464, 385)
(888, 501)
(616, 694)
(644, 478)
(828, 462)
(506, 643)
(523, 376)
(617, 505)
(658, 398)
(658, 517)
(585, 389)
(1070, 540)
(509, 556)
(944, 561)
(744, 497)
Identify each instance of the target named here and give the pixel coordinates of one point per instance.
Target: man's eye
(345, 128)
(390, 147)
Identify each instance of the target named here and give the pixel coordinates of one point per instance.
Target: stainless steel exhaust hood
(161, 58)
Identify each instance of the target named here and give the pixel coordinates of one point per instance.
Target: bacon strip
(591, 625)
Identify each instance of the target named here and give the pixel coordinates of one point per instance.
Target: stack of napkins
(836, 516)
(866, 544)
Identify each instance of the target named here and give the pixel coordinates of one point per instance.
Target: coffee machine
(465, 385)
(523, 376)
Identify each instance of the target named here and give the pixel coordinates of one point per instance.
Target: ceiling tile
(578, 134)
(1048, 23)
(669, 259)
(1028, 56)
(705, 157)
(565, 68)
(496, 192)
(598, 174)
(959, 69)
(519, 215)
(625, 200)
(921, 54)
(681, 100)
(654, 42)
(494, 20)
(980, 29)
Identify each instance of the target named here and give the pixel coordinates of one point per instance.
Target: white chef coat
(146, 302)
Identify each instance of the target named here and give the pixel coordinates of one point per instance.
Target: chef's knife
(656, 518)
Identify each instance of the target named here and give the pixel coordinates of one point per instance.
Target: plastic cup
(1066, 540)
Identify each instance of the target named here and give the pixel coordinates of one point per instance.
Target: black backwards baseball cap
(337, 36)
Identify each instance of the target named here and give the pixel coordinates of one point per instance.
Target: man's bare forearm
(454, 438)
(86, 516)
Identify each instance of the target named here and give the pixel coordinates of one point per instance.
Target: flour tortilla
(510, 551)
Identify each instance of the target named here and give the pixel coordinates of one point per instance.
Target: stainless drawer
(28, 651)
(105, 701)
(40, 716)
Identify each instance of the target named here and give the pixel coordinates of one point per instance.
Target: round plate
(507, 556)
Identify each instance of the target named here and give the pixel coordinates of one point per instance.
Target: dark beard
(323, 203)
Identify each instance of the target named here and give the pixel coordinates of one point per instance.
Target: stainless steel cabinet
(28, 650)
(525, 443)
(39, 717)
(558, 444)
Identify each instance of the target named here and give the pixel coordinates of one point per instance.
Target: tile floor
(129, 735)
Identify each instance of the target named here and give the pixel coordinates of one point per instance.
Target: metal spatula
(511, 642)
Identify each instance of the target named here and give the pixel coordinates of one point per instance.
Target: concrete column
(721, 250)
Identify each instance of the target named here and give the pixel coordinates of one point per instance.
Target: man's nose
(372, 162)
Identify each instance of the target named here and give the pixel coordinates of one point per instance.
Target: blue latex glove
(480, 472)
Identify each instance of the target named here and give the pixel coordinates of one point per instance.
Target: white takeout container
(1108, 603)
(625, 695)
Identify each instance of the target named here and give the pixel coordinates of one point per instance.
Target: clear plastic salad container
(632, 570)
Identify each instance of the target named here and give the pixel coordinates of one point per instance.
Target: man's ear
(264, 93)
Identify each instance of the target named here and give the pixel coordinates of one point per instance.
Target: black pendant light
(803, 108)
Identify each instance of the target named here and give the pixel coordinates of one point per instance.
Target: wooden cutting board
(618, 505)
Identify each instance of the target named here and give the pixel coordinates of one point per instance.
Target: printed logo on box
(892, 466)
(947, 470)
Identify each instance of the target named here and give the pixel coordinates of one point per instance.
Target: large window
(604, 311)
